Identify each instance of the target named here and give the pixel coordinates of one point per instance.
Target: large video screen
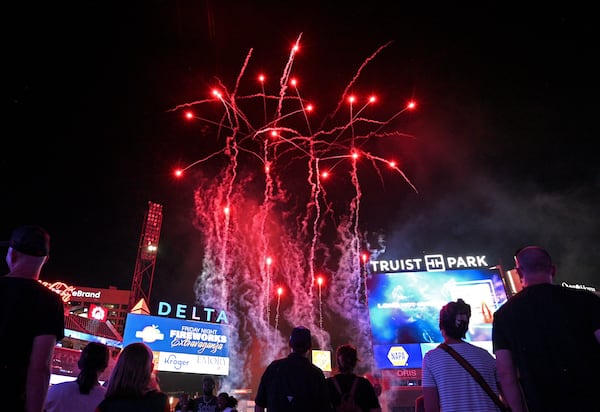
(181, 345)
(404, 311)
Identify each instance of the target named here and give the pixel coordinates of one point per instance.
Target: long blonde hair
(132, 374)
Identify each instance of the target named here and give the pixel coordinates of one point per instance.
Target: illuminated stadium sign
(191, 312)
(404, 310)
(429, 263)
(98, 312)
(181, 345)
(61, 288)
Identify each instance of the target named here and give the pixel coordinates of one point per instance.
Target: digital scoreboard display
(404, 311)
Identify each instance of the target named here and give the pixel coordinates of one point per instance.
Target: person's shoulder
(432, 353)
(578, 292)
(64, 386)
(277, 363)
(316, 369)
(363, 381)
(479, 350)
(43, 290)
(156, 394)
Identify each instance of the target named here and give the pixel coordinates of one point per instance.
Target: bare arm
(432, 399)
(38, 373)
(509, 381)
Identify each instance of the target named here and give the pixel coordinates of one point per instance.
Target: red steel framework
(141, 286)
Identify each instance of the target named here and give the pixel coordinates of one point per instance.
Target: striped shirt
(457, 389)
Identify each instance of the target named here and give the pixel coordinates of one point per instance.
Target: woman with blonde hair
(132, 386)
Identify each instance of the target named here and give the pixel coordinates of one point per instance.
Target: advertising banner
(181, 345)
(404, 311)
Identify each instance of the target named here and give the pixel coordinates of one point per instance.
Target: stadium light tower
(141, 286)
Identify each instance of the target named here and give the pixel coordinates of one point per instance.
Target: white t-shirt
(457, 389)
(65, 397)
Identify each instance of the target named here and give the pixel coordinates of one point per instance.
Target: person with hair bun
(84, 393)
(447, 385)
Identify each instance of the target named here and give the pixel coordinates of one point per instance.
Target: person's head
(28, 250)
(222, 400)
(132, 374)
(346, 357)
(534, 265)
(92, 362)
(300, 340)
(454, 319)
(208, 385)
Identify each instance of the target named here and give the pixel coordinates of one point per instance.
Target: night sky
(501, 147)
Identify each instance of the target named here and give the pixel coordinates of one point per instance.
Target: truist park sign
(428, 263)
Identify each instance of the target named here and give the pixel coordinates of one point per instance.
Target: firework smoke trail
(355, 78)
(246, 220)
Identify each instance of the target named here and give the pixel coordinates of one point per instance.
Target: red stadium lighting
(189, 115)
(411, 105)
(279, 291)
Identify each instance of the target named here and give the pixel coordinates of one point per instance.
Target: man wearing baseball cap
(31, 320)
(293, 384)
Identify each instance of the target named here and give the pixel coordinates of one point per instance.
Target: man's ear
(519, 273)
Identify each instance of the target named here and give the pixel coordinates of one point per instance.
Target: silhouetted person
(547, 339)
(226, 402)
(131, 386)
(293, 384)
(183, 404)
(31, 321)
(207, 402)
(84, 393)
(365, 396)
(447, 385)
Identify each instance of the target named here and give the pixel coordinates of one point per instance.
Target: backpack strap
(353, 387)
(339, 389)
(337, 386)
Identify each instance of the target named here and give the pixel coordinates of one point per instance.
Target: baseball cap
(300, 338)
(31, 240)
